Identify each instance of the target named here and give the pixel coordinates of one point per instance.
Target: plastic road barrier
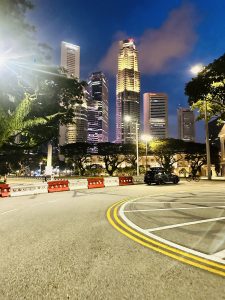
(28, 189)
(58, 186)
(78, 184)
(138, 179)
(111, 181)
(95, 183)
(4, 190)
(126, 180)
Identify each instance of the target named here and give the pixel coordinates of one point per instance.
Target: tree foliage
(35, 119)
(195, 155)
(209, 87)
(167, 152)
(113, 156)
(76, 156)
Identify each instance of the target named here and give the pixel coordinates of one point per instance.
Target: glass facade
(98, 113)
(127, 92)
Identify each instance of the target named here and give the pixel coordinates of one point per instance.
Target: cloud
(109, 62)
(158, 48)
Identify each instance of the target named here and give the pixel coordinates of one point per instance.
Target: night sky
(171, 36)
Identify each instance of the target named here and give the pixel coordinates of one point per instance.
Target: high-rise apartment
(186, 124)
(127, 92)
(97, 108)
(77, 132)
(156, 115)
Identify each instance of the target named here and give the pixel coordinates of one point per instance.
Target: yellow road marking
(115, 206)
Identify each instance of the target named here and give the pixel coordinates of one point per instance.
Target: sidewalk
(213, 178)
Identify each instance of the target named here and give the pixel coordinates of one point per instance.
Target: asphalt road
(61, 246)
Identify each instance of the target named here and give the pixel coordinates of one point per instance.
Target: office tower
(77, 131)
(97, 108)
(70, 59)
(156, 115)
(127, 92)
(186, 124)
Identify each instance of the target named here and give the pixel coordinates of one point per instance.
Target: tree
(195, 154)
(167, 152)
(209, 87)
(36, 118)
(113, 156)
(78, 155)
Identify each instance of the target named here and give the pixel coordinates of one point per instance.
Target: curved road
(61, 246)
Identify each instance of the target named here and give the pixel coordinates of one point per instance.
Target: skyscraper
(156, 115)
(186, 124)
(70, 59)
(77, 132)
(127, 92)
(97, 108)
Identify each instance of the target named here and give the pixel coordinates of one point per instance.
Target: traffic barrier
(111, 181)
(126, 180)
(58, 186)
(95, 183)
(138, 179)
(28, 189)
(4, 190)
(78, 184)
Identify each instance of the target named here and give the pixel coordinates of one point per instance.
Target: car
(158, 175)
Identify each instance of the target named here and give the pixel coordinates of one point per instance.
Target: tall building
(70, 59)
(97, 108)
(127, 92)
(156, 115)
(186, 124)
(77, 131)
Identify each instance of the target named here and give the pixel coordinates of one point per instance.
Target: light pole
(146, 138)
(195, 70)
(129, 119)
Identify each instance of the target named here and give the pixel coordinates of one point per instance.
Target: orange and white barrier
(95, 183)
(28, 189)
(78, 184)
(126, 180)
(111, 181)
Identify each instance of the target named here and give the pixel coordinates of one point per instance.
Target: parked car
(160, 176)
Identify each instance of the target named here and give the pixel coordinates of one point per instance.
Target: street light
(195, 70)
(146, 138)
(129, 119)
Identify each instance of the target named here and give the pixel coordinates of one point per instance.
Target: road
(62, 246)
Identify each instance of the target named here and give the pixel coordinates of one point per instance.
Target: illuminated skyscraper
(77, 132)
(186, 124)
(97, 108)
(70, 59)
(156, 115)
(127, 92)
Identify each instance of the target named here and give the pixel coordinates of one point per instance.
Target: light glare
(196, 69)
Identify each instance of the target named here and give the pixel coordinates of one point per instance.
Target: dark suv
(159, 176)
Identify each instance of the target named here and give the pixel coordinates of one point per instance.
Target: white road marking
(184, 224)
(155, 237)
(163, 209)
(186, 202)
(220, 254)
(8, 211)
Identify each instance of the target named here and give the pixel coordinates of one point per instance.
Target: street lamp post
(195, 70)
(207, 143)
(128, 119)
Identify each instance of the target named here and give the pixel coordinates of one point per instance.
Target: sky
(171, 36)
